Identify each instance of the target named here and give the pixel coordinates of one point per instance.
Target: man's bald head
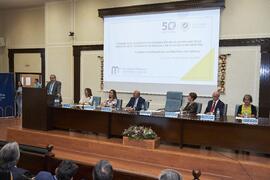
(215, 95)
(136, 94)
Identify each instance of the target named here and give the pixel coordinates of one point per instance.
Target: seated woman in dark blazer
(247, 109)
(191, 106)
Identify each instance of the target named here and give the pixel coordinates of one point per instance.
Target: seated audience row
(136, 103)
(103, 170)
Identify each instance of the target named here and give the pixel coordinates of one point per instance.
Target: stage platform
(89, 148)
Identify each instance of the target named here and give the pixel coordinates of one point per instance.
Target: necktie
(135, 103)
(51, 88)
(213, 107)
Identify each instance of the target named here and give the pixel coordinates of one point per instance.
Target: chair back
(173, 101)
(225, 110)
(236, 109)
(199, 108)
(146, 105)
(97, 100)
(119, 104)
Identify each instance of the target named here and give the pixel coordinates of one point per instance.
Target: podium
(35, 109)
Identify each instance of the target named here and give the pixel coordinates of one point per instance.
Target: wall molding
(161, 7)
(244, 42)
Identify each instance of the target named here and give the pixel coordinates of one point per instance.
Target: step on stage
(89, 149)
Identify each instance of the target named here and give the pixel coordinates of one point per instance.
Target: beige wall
(22, 28)
(245, 19)
(48, 27)
(1, 24)
(59, 58)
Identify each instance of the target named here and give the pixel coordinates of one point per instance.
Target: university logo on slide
(115, 70)
(185, 26)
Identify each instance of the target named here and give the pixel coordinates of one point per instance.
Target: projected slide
(160, 52)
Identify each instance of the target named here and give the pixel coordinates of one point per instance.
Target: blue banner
(7, 94)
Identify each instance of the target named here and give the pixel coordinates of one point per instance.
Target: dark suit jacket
(44, 175)
(131, 103)
(19, 173)
(253, 110)
(191, 108)
(56, 88)
(220, 105)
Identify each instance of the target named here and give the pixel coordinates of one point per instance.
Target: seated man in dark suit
(9, 157)
(136, 102)
(215, 104)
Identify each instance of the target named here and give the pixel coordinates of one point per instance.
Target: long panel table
(226, 132)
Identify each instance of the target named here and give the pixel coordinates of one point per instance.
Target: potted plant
(140, 136)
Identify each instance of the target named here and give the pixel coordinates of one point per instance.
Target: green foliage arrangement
(139, 133)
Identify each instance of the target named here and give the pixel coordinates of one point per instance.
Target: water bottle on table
(218, 113)
(143, 107)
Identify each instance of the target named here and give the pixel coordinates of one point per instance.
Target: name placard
(67, 106)
(171, 114)
(145, 113)
(106, 109)
(89, 107)
(252, 121)
(207, 117)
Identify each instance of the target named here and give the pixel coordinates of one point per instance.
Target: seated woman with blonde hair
(247, 109)
(87, 98)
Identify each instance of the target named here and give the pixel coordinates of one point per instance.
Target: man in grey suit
(53, 87)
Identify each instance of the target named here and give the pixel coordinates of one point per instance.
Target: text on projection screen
(156, 53)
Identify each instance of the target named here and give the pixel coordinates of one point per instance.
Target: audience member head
(112, 94)
(215, 95)
(52, 77)
(36, 80)
(87, 92)
(136, 94)
(103, 171)
(192, 96)
(66, 170)
(169, 174)
(9, 155)
(247, 99)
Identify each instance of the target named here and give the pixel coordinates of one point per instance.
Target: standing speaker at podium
(53, 89)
